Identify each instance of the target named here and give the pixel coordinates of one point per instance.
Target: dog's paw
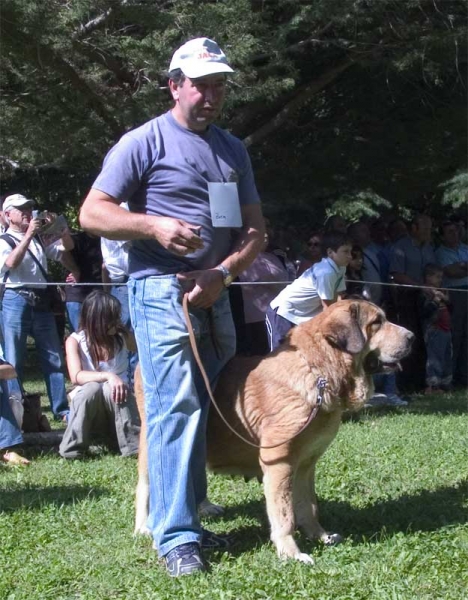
(304, 558)
(208, 509)
(141, 530)
(287, 549)
(331, 539)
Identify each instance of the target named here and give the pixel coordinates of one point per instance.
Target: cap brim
(202, 70)
(24, 205)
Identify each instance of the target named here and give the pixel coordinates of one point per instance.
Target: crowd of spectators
(416, 272)
(391, 259)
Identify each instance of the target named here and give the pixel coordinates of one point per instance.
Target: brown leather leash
(321, 385)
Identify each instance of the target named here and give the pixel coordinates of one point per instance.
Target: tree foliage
(339, 101)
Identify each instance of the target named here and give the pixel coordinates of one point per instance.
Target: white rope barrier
(237, 283)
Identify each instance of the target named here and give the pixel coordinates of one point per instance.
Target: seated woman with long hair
(103, 408)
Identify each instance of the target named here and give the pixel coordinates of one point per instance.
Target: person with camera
(26, 299)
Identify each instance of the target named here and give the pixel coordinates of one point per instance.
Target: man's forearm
(249, 243)
(67, 260)
(16, 256)
(456, 270)
(67, 242)
(101, 214)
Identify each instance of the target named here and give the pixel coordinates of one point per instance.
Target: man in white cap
(195, 222)
(25, 307)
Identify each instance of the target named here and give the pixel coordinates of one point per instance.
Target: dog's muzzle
(373, 364)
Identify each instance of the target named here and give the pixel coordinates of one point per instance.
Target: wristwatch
(227, 275)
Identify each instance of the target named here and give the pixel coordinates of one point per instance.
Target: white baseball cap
(200, 57)
(16, 201)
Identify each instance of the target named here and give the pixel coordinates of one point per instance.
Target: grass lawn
(395, 485)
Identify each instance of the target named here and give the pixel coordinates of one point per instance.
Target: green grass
(395, 485)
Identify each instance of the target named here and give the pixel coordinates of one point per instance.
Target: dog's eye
(377, 323)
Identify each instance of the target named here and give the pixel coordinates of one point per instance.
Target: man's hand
(34, 227)
(49, 217)
(204, 287)
(439, 297)
(73, 277)
(177, 236)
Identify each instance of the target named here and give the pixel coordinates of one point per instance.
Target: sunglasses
(313, 244)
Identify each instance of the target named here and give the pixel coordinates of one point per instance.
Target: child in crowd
(317, 288)
(435, 314)
(102, 407)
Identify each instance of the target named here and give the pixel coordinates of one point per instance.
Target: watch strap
(227, 275)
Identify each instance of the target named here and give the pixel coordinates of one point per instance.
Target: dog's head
(359, 330)
(358, 327)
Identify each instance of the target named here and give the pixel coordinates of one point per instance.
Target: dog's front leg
(306, 505)
(278, 485)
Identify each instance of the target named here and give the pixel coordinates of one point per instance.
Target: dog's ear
(345, 332)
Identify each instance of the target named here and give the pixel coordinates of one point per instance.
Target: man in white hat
(23, 269)
(195, 222)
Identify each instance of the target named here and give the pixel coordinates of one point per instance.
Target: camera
(39, 214)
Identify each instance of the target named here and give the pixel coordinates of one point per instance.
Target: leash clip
(321, 385)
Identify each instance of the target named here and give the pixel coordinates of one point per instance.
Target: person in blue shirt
(195, 223)
(452, 256)
(408, 257)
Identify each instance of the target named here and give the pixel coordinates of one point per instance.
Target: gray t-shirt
(408, 258)
(163, 169)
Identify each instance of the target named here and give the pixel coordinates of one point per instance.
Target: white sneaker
(376, 401)
(395, 400)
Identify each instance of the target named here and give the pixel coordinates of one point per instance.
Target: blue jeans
(385, 383)
(176, 400)
(73, 315)
(2, 342)
(439, 356)
(277, 328)
(459, 302)
(121, 293)
(10, 434)
(22, 320)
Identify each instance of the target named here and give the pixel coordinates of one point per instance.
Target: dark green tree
(345, 105)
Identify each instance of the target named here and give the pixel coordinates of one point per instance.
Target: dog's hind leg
(142, 505)
(142, 489)
(306, 505)
(208, 509)
(279, 501)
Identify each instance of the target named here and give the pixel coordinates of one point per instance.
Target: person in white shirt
(317, 288)
(26, 304)
(115, 271)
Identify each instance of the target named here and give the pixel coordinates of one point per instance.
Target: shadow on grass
(428, 510)
(438, 404)
(444, 404)
(33, 497)
(425, 511)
